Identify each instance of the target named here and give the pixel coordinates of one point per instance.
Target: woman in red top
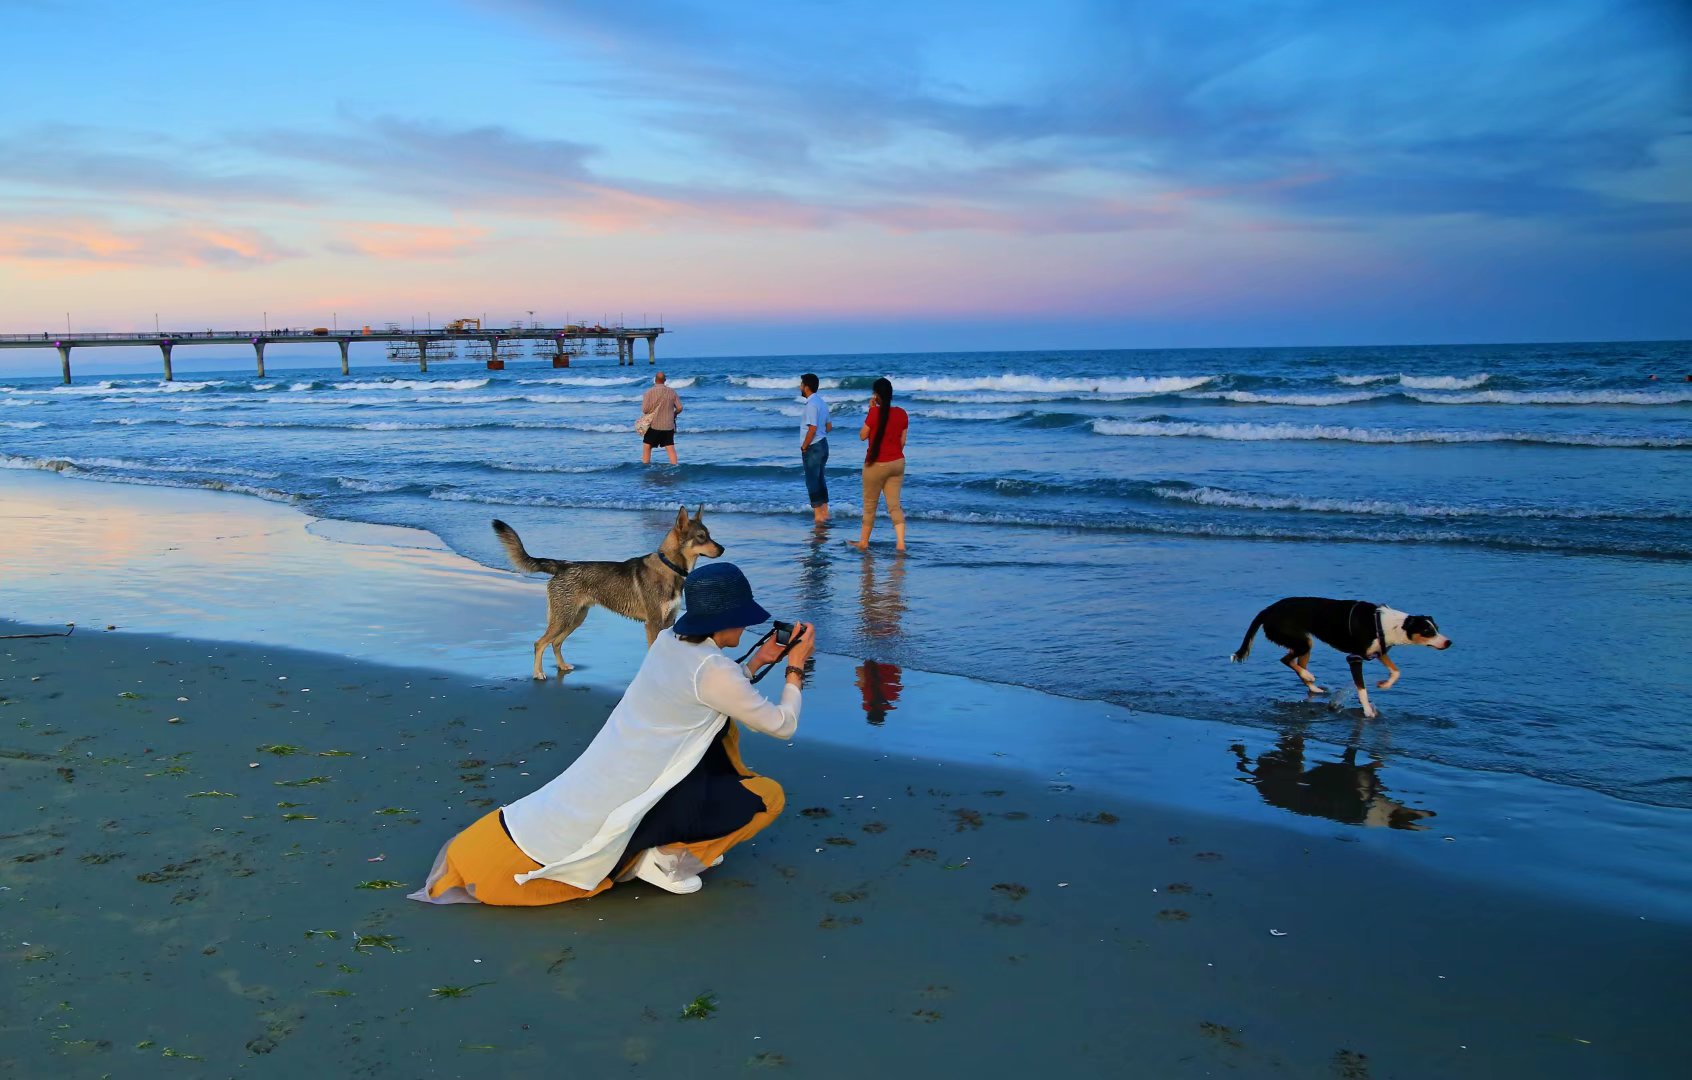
(884, 462)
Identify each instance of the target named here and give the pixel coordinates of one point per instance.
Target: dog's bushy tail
(520, 558)
(1245, 645)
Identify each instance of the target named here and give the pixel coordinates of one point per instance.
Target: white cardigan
(577, 825)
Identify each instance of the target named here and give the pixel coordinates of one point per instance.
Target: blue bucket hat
(718, 597)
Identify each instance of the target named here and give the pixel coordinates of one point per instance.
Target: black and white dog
(1361, 630)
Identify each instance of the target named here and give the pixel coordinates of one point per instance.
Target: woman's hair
(883, 391)
(694, 639)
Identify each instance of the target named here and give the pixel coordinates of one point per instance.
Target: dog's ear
(681, 519)
(699, 513)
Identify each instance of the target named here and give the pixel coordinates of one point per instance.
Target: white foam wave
(591, 380)
(68, 467)
(788, 382)
(1040, 384)
(373, 487)
(22, 425)
(1253, 398)
(109, 388)
(1321, 432)
(1561, 397)
(413, 384)
(971, 414)
(1419, 382)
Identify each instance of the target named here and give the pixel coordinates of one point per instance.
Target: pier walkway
(560, 344)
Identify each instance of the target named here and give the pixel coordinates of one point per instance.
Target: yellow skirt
(480, 864)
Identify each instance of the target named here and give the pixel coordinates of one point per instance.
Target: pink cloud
(89, 244)
(394, 240)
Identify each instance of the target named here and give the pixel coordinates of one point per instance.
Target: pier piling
(423, 355)
(64, 360)
(258, 347)
(164, 347)
(345, 343)
(652, 348)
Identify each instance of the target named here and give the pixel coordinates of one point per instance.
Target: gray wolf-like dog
(647, 587)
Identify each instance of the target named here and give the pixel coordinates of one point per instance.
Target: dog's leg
(1386, 683)
(540, 648)
(1295, 660)
(1356, 663)
(558, 641)
(653, 629)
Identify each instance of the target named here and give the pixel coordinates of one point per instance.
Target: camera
(783, 633)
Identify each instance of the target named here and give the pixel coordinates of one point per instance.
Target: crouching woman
(661, 794)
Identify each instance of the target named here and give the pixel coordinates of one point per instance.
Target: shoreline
(383, 593)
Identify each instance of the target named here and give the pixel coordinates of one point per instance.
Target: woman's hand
(805, 646)
(769, 652)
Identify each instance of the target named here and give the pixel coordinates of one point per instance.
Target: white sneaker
(653, 870)
(716, 863)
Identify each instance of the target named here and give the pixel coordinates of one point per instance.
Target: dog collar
(1380, 633)
(663, 559)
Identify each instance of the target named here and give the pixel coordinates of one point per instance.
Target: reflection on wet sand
(1341, 790)
(880, 683)
(882, 609)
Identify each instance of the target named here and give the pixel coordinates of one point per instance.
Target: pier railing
(565, 341)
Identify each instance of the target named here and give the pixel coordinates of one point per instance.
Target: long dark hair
(883, 391)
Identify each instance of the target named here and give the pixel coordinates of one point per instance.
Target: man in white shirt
(814, 426)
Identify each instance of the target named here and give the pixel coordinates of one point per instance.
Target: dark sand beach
(207, 842)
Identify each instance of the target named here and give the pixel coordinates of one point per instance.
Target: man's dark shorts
(654, 437)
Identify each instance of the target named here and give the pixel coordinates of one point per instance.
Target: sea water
(1095, 524)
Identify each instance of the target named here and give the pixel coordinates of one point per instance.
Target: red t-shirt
(893, 442)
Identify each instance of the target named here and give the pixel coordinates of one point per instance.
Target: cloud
(1506, 109)
(389, 240)
(91, 243)
(139, 166)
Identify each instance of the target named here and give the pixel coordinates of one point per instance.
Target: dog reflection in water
(1342, 790)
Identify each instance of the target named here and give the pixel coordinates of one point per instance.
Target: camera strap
(759, 644)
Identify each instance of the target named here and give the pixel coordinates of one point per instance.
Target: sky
(822, 176)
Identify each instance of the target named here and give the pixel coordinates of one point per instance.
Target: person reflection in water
(1341, 790)
(882, 603)
(880, 683)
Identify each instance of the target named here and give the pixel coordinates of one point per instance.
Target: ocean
(1100, 524)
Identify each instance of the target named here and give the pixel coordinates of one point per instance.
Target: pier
(559, 344)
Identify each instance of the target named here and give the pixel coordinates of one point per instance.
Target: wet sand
(206, 887)
(990, 880)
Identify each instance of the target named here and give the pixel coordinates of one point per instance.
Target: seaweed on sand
(700, 1008)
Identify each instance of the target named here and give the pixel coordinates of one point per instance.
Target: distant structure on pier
(493, 347)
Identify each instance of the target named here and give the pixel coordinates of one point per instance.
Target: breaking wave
(1170, 428)
(1419, 382)
(1561, 397)
(1040, 384)
(1248, 397)
(412, 384)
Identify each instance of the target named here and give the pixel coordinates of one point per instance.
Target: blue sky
(844, 176)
